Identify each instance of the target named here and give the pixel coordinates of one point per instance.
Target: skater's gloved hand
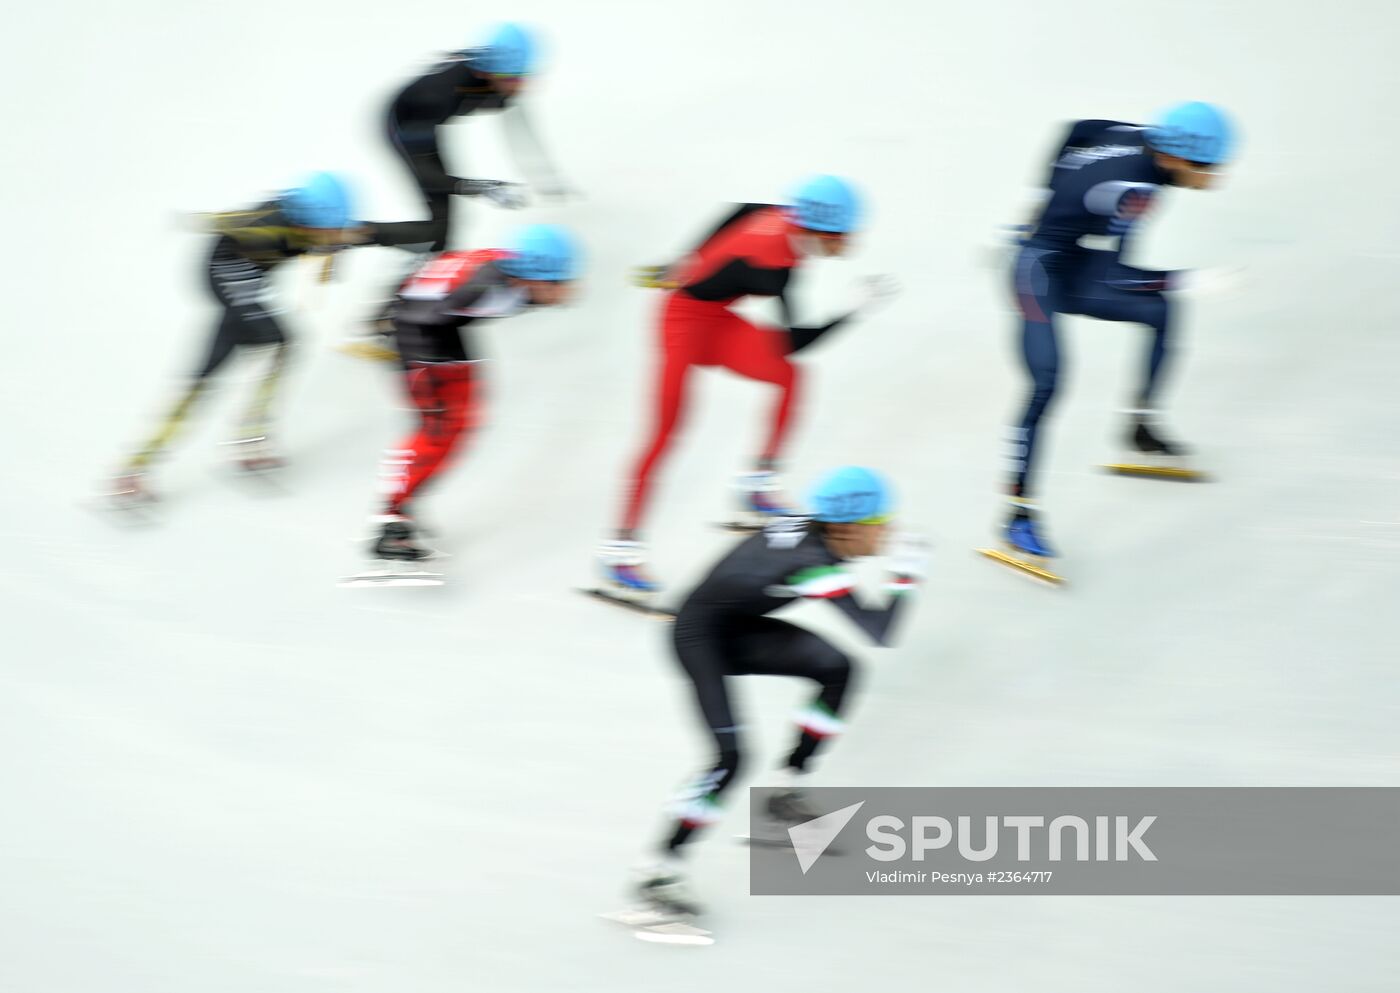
(511, 196)
(508, 195)
(908, 556)
(873, 293)
(664, 276)
(558, 190)
(1208, 281)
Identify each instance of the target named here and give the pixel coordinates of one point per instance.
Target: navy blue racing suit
(1103, 179)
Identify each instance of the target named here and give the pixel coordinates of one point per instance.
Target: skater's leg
(1148, 308)
(450, 426)
(227, 334)
(402, 463)
(673, 370)
(258, 414)
(417, 147)
(169, 427)
(227, 337)
(772, 647)
(761, 354)
(1157, 351)
(1152, 310)
(443, 394)
(1040, 351)
(251, 316)
(702, 653)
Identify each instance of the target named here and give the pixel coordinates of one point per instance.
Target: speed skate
(398, 559)
(390, 573)
(1029, 565)
(639, 604)
(1150, 455)
(1154, 466)
(654, 924)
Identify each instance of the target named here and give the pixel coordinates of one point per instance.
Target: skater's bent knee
(829, 664)
(727, 766)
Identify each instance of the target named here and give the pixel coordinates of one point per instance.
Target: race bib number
(437, 278)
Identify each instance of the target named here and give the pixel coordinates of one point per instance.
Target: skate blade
(392, 577)
(756, 841)
(260, 472)
(1023, 565)
(433, 554)
(263, 480)
(740, 527)
(368, 351)
(138, 513)
(1151, 470)
(366, 539)
(641, 606)
(647, 924)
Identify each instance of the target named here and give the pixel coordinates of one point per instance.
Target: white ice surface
(223, 773)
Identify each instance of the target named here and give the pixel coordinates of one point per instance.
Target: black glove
(502, 194)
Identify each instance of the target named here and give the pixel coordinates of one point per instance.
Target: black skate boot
(1143, 439)
(1151, 454)
(665, 911)
(667, 892)
(401, 560)
(398, 543)
(783, 810)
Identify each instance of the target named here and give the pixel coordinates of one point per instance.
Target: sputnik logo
(812, 838)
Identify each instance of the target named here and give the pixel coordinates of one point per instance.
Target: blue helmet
(541, 251)
(826, 203)
(506, 50)
(1195, 131)
(321, 201)
(851, 495)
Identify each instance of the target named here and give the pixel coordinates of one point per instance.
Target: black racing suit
(724, 629)
(250, 244)
(452, 89)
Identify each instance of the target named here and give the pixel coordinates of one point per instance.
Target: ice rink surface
(223, 774)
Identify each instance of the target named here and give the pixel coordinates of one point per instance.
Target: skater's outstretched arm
(1126, 277)
(836, 585)
(252, 231)
(528, 150)
(873, 292)
(908, 565)
(395, 234)
(876, 622)
(1126, 201)
(804, 337)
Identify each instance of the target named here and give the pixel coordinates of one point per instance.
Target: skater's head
(824, 210)
(321, 205)
(544, 260)
(504, 58)
(853, 507)
(1191, 143)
